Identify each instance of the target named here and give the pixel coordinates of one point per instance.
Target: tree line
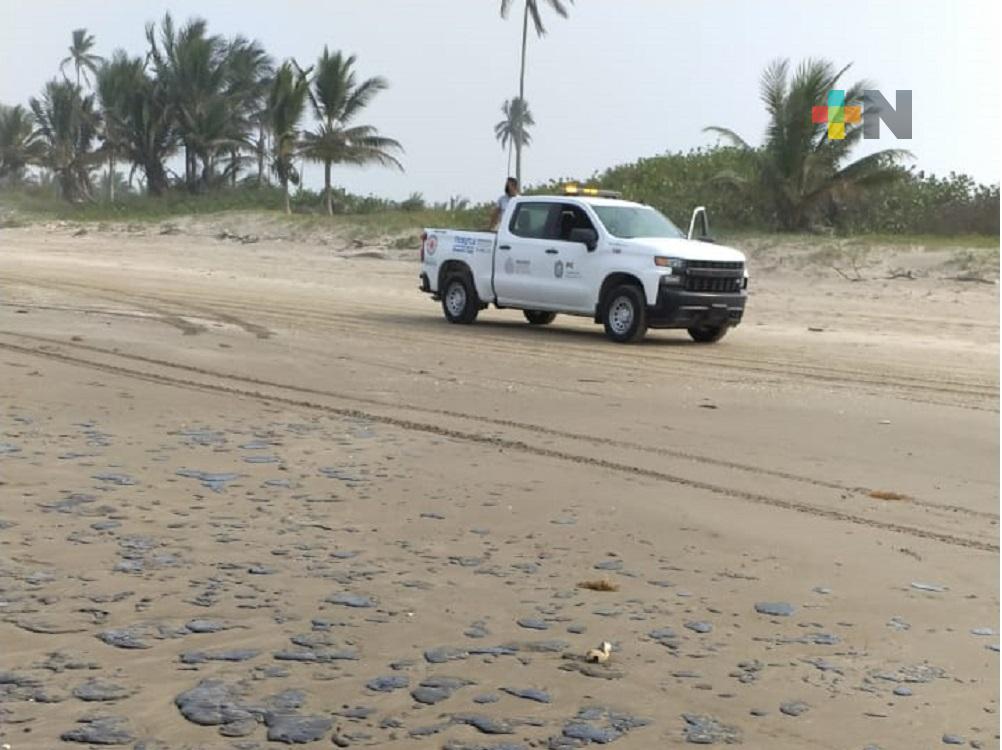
(798, 178)
(915, 203)
(234, 116)
(221, 103)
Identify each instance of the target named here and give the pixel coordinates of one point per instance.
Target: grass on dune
(19, 208)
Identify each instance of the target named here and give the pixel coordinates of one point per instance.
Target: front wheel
(708, 334)
(539, 317)
(625, 314)
(459, 300)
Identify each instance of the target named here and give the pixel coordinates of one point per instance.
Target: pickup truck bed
(474, 249)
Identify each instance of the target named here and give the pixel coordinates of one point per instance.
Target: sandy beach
(259, 491)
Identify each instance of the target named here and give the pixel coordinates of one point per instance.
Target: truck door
(522, 256)
(568, 282)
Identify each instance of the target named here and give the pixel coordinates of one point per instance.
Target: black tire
(708, 334)
(624, 313)
(539, 317)
(459, 299)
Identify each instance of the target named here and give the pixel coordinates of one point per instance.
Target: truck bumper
(425, 286)
(677, 308)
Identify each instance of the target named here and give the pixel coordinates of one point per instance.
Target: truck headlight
(674, 265)
(674, 268)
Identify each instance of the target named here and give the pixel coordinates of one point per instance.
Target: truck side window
(530, 220)
(569, 217)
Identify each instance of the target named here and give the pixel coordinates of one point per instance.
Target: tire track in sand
(362, 319)
(513, 424)
(508, 444)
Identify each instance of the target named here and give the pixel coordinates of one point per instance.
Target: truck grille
(724, 277)
(712, 284)
(733, 265)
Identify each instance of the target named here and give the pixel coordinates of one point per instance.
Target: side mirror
(699, 225)
(587, 237)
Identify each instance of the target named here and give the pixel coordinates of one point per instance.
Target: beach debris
(600, 584)
(935, 587)
(601, 654)
(794, 708)
(887, 495)
(776, 609)
(701, 729)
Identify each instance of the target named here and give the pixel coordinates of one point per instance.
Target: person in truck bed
(510, 191)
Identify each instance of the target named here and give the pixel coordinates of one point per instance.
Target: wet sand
(263, 493)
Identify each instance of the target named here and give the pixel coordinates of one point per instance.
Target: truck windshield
(627, 222)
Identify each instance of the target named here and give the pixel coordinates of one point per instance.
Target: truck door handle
(504, 247)
(551, 251)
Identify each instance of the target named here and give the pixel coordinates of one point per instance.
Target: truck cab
(590, 253)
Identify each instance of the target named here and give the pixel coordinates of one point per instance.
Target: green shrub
(675, 183)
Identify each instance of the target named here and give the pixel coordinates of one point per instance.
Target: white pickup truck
(587, 253)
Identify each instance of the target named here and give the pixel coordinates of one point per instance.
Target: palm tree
(80, 55)
(531, 10)
(115, 82)
(513, 130)
(66, 126)
(194, 67)
(798, 166)
(337, 100)
(249, 78)
(19, 145)
(137, 116)
(113, 183)
(216, 88)
(286, 103)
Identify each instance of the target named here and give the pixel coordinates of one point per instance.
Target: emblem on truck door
(431, 244)
(558, 269)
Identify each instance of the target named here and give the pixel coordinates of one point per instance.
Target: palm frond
(730, 178)
(773, 86)
(536, 16)
(798, 166)
(533, 10)
(729, 135)
(362, 96)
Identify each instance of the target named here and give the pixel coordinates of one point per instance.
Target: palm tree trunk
(525, 39)
(260, 155)
(328, 200)
(111, 178)
(518, 164)
(84, 185)
(66, 187)
(285, 190)
(156, 178)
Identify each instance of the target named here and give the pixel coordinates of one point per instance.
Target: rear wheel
(708, 334)
(459, 300)
(625, 314)
(539, 317)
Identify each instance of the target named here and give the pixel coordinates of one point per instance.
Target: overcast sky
(618, 80)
